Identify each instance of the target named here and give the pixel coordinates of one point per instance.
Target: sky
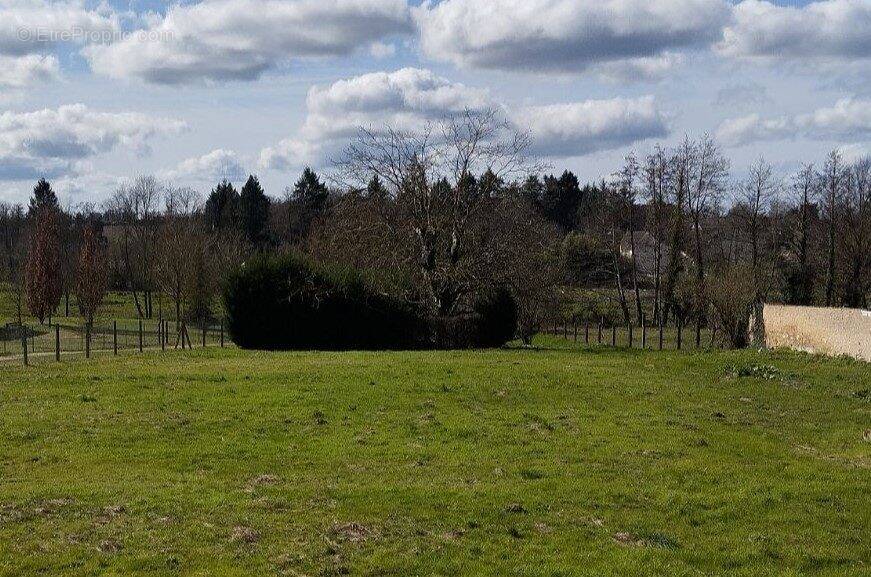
(95, 93)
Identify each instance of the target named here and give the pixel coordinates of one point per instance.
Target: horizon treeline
(668, 236)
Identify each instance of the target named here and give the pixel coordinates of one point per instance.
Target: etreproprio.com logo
(87, 35)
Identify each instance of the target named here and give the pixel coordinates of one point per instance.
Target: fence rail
(27, 342)
(651, 337)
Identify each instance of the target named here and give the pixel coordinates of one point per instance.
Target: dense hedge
(290, 303)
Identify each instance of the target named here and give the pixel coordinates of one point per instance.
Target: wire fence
(29, 342)
(673, 336)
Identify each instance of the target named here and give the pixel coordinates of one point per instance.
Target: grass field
(554, 461)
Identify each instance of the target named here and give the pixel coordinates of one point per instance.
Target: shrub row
(291, 303)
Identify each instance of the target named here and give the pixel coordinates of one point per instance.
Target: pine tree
(310, 192)
(490, 184)
(222, 207)
(254, 211)
(376, 189)
(308, 201)
(43, 196)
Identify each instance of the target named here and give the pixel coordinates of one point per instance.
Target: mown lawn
(514, 462)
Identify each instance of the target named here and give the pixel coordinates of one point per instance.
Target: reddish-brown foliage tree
(92, 277)
(43, 286)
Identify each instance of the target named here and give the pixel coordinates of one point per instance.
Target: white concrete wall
(827, 331)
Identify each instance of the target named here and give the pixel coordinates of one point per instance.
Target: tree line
(446, 215)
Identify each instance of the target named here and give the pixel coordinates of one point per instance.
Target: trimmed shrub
(497, 318)
(290, 303)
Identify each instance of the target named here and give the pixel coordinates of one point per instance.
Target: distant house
(646, 252)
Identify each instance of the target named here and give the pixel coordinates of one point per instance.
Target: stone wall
(827, 331)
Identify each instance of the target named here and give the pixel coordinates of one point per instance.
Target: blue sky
(215, 88)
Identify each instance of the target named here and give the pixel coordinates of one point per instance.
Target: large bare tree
(433, 198)
(831, 192)
(134, 211)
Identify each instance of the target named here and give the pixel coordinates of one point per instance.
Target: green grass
(513, 462)
(116, 306)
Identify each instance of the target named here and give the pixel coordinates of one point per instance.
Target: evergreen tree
(561, 198)
(254, 211)
(533, 190)
(308, 200)
(310, 192)
(43, 196)
(491, 185)
(222, 207)
(376, 189)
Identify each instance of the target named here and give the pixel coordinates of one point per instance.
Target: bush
(290, 303)
(496, 319)
(732, 295)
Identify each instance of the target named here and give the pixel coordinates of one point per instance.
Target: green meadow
(558, 460)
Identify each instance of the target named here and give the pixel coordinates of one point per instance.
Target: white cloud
(848, 120)
(405, 99)
(22, 71)
(212, 167)
(580, 128)
(55, 142)
(218, 40)
(825, 30)
(30, 29)
(32, 26)
(566, 36)
(410, 98)
(647, 69)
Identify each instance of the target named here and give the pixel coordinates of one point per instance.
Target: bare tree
(434, 199)
(805, 187)
(627, 191)
(91, 280)
(13, 245)
(134, 210)
(856, 236)
(758, 192)
(181, 238)
(657, 174)
(43, 275)
(682, 161)
(709, 170)
(833, 181)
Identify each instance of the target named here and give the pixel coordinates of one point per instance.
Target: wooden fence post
(24, 344)
(140, 336)
(643, 331)
(601, 323)
(204, 335)
(87, 341)
(679, 332)
(661, 330)
(631, 339)
(575, 326)
(57, 343)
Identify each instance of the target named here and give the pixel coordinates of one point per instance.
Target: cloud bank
(221, 40)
